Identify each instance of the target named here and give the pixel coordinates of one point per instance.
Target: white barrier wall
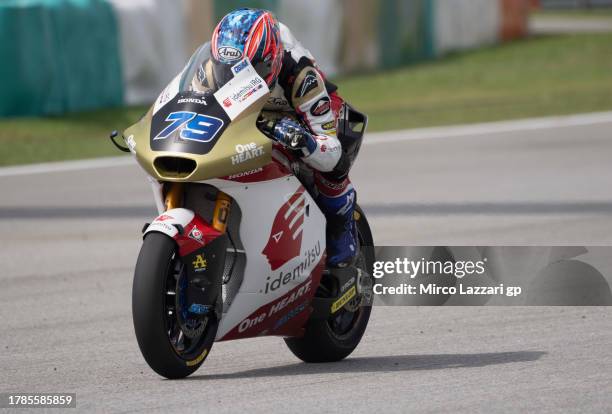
(126, 51)
(153, 43)
(319, 32)
(157, 36)
(463, 24)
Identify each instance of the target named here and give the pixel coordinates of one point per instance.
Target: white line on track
(79, 165)
(532, 124)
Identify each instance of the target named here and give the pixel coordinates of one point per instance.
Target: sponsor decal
(247, 152)
(199, 264)
(277, 307)
(285, 238)
(201, 74)
(192, 100)
(198, 359)
(337, 186)
(229, 53)
(164, 96)
(244, 174)
(269, 172)
(199, 309)
(262, 320)
(329, 125)
(321, 107)
(243, 94)
(311, 256)
(323, 148)
(196, 234)
(238, 67)
(348, 284)
(164, 217)
(309, 83)
(350, 202)
(197, 127)
(162, 227)
(169, 91)
(163, 99)
(293, 312)
(334, 148)
(131, 143)
(240, 92)
(343, 299)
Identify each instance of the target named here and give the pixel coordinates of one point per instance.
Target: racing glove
(288, 133)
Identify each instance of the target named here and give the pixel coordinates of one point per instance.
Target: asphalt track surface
(70, 239)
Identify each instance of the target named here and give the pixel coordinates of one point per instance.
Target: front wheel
(173, 344)
(337, 337)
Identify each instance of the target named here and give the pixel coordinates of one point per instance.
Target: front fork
(223, 203)
(174, 196)
(205, 264)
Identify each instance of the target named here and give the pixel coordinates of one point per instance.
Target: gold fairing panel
(218, 162)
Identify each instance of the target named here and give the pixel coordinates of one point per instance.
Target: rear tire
(153, 277)
(322, 342)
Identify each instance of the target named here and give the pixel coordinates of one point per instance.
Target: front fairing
(195, 136)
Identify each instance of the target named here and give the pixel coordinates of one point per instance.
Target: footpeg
(354, 290)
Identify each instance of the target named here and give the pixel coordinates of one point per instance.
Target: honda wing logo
(285, 239)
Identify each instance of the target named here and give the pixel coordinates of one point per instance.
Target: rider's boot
(337, 201)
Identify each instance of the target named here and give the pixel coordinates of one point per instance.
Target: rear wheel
(337, 337)
(173, 344)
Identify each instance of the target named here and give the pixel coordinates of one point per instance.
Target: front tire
(156, 311)
(337, 337)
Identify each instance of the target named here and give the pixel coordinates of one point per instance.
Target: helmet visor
(222, 73)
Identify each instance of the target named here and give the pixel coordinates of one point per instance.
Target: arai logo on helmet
(229, 53)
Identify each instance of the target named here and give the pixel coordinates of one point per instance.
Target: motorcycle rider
(307, 108)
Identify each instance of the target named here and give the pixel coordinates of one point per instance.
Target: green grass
(575, 13)
(536, 77)
(75, 136)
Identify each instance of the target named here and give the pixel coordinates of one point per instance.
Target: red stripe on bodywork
(188, 244)
(265, 319)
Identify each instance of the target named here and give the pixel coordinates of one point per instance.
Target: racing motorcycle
(238, 248)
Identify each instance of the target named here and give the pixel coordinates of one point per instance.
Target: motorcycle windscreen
(211, 94)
